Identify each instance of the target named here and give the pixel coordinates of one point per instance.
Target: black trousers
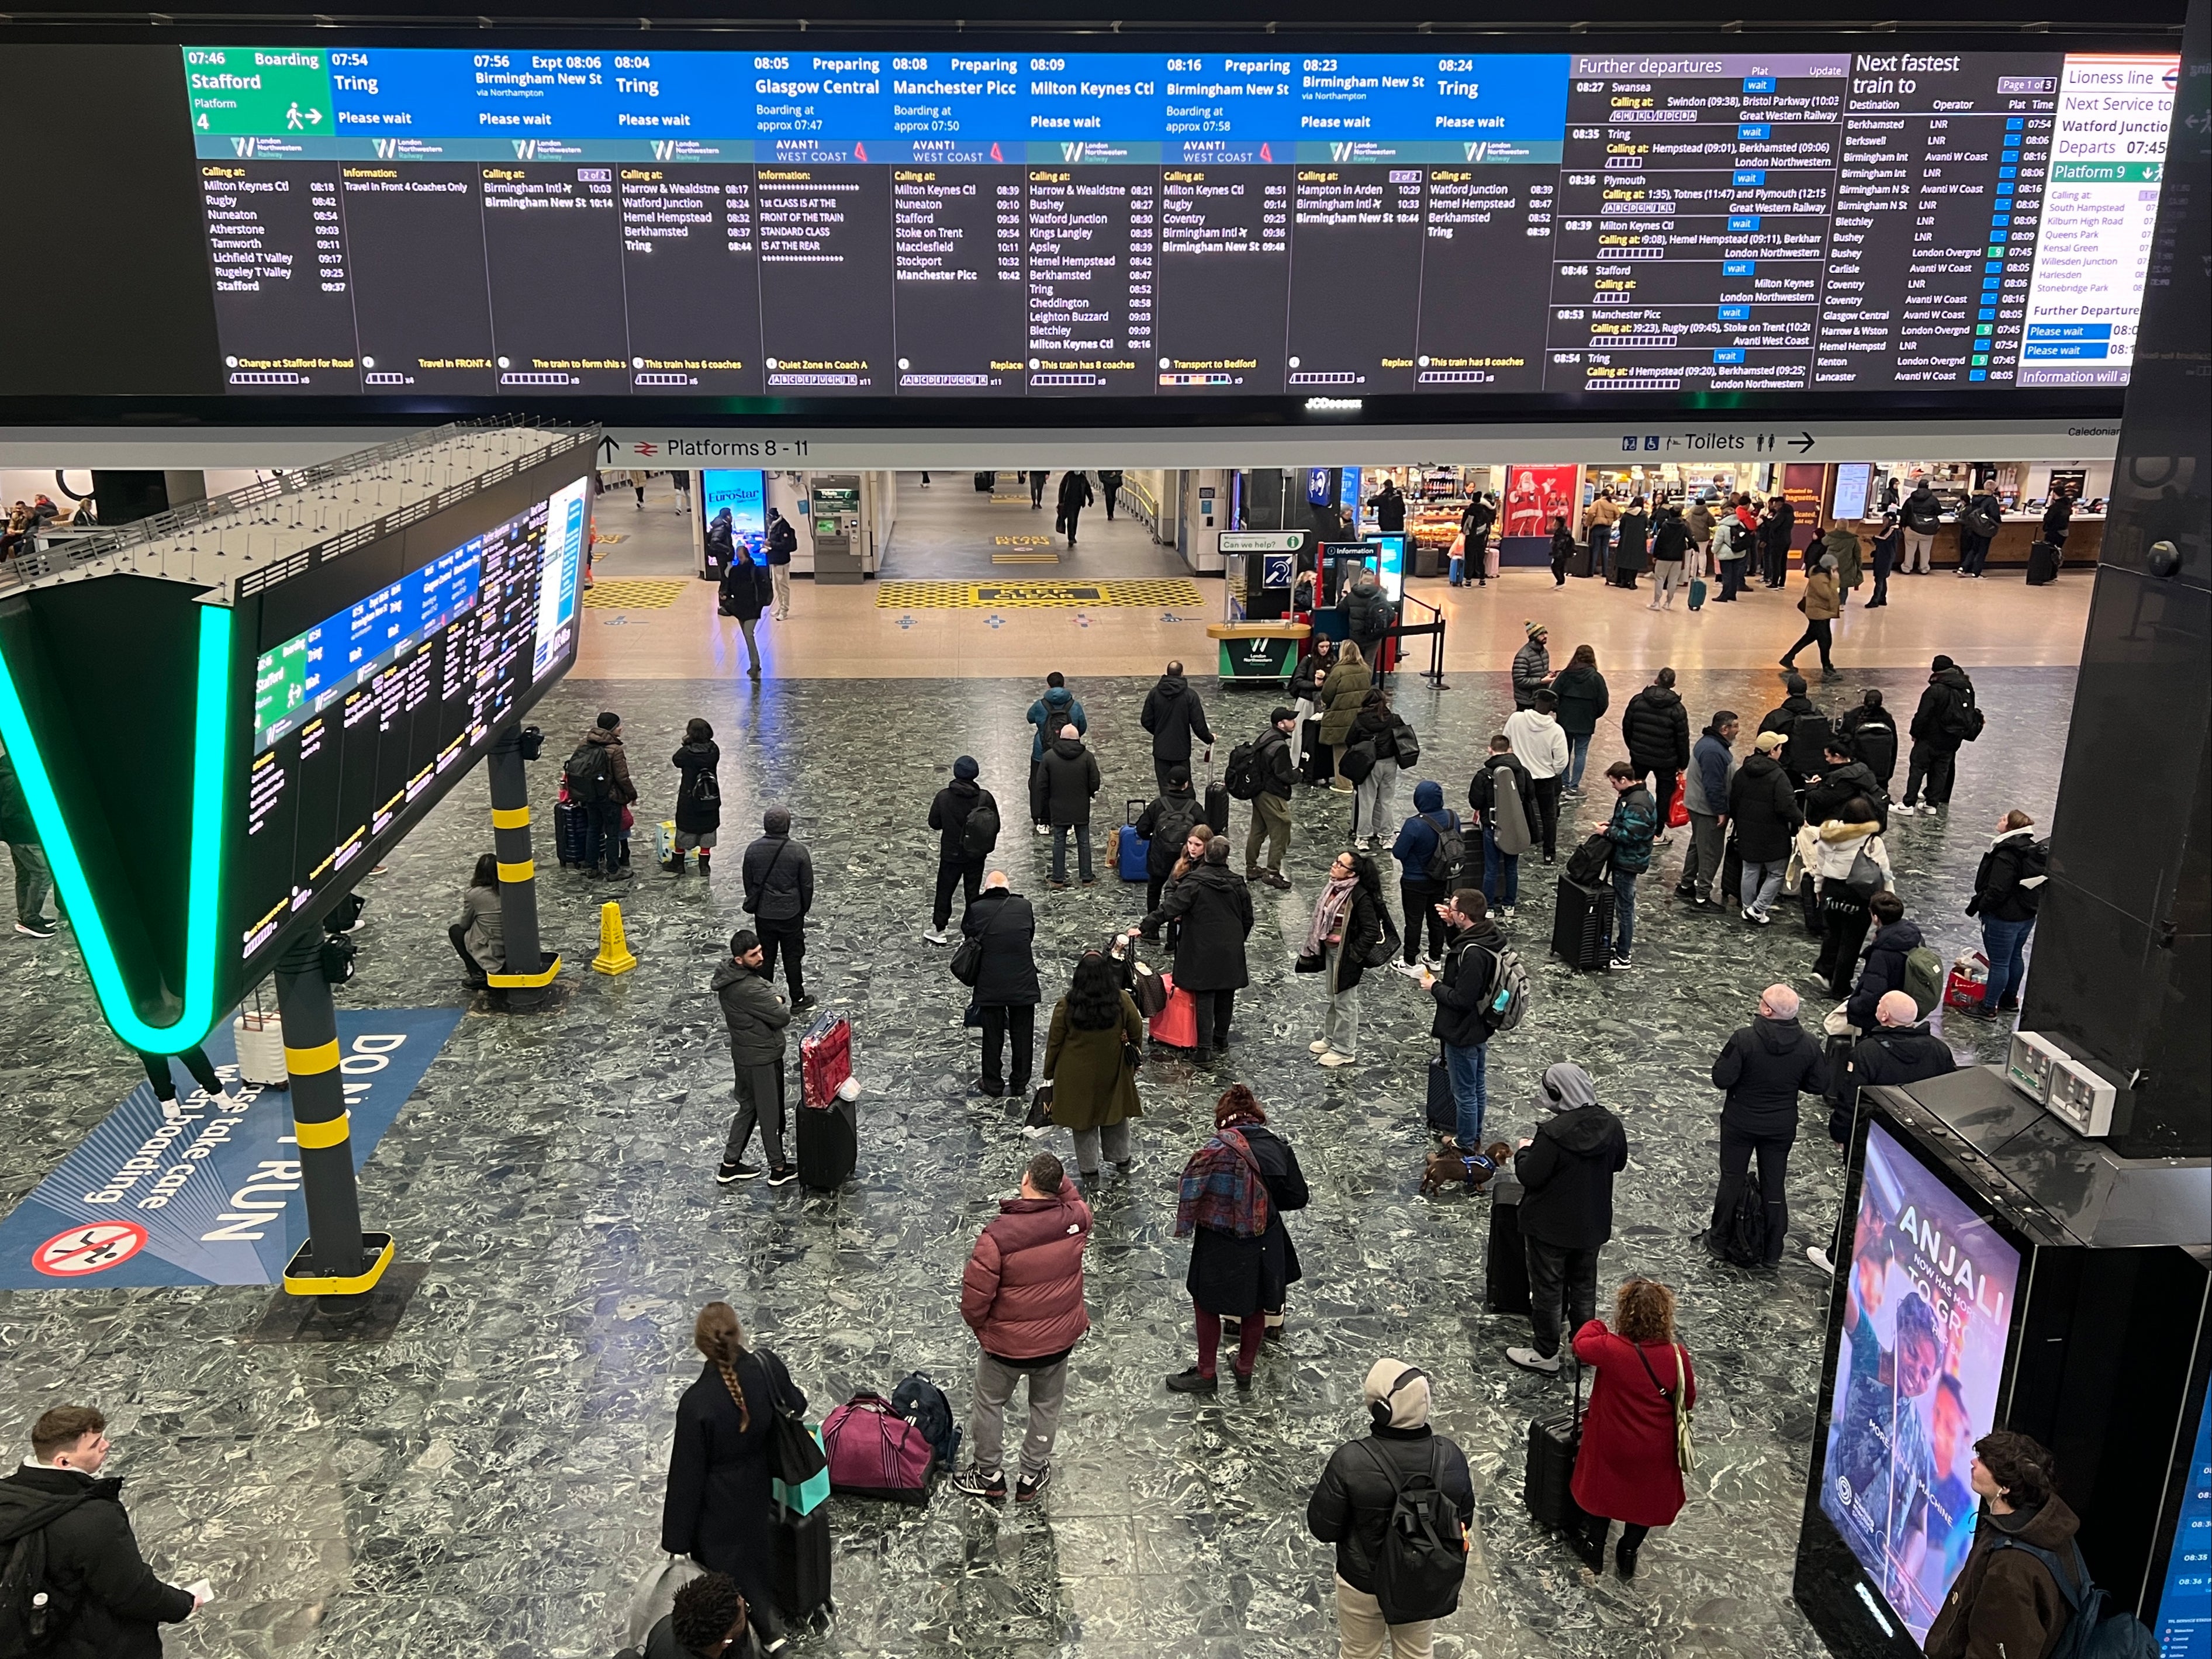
(457, 933)
(1844, 919)
(1036, 488)
(1881, 595)
(194, 1059)
(1935, 766)
(1561, 1281)
(1662, 792)
(1420, 899)
(1214, 1010)
(1737, 1146)
(954, 872)
(1002, 1021)
(1818, 631)
(1548, 810)
(788, 938)
(1160, 770)
(1067, 522)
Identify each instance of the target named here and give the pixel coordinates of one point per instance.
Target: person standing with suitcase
(1630, 1467)
(1565, 1171)
(756, 1018)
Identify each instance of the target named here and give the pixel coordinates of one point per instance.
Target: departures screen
(357, 719)
(973, 223)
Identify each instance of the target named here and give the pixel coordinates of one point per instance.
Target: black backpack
(1448, 856)
(979, 833)
(1745, 1243)
(1406, 746)
(31, 1620)
(1962, 717)
(1242, 780)
(587, 773)
(705, 791)
(922, 1403)
(1423, 1560)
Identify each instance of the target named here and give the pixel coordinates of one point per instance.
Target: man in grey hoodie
(779, 881)
(757, 1018)
(1565, 1171)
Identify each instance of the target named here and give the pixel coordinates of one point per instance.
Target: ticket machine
(833, 508)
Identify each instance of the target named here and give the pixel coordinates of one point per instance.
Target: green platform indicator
(269, 91)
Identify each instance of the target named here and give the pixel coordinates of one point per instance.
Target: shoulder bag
(1686, 1451)
(792, 1457)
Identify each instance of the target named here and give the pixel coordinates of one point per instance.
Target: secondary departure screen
(1002, 224)
(361, 720)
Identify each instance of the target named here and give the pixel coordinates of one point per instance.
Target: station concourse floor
(486, 1484)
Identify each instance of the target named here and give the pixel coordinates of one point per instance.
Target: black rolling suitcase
(1579, 563)
(984, 481)
(1581, 925)
(1217, 806)
(829, 1144)
(568, 833)
(1443, 1104)
(802, 1561)
(1505, 1268)
(2042, 564)
(1321, 766)
(1547, 1482)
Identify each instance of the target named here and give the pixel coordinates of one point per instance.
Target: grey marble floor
(486, 1484)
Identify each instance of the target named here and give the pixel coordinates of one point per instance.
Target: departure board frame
(152, 818)
(1183, 320)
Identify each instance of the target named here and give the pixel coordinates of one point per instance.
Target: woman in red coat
(1628, 1469)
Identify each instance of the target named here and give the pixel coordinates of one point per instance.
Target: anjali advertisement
(1924, 1326)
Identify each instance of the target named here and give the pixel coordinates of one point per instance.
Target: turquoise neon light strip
(202, 916)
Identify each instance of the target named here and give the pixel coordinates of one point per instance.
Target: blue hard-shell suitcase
(1132, 852)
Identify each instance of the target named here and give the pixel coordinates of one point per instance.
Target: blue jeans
(2002, 943)
(1501, 871)
(1470, 1092)
(1578, 744)
(1624, 911)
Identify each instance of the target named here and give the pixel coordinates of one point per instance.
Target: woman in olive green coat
(1341, 695)
(1089, 1060)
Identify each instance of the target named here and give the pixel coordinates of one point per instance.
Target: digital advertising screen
(744, 496)
(1927, 1311)
(357, 719)
(2184, 1607)
(860, 221)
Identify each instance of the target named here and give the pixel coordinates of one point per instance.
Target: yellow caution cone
(613, 957)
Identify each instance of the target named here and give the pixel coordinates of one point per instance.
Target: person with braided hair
(719, 1509)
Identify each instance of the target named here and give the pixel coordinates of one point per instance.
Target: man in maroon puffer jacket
(1022, 1295)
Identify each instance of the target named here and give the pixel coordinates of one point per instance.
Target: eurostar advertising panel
(743, 495)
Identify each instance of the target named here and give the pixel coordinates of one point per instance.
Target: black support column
(2122, 964)
(337, 1260)
(529, 971)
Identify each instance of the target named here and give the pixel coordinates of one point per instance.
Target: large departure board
(974, 223)
(358, 719)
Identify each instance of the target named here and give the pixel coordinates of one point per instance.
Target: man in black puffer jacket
(1566, 1208)
(1763, 1067)
(1656, 729)
(1840, 781)
(1173, 714)
(1350, 1507)
(93, 1564)
(1882, 969)
(956, 865)
(1939, 725)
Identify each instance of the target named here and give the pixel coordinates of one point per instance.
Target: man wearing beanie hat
(1272, 772)
(779, 877)
(599, 786)
(1566, 1175)
(757, 1018)
(1532, 665)
(1947, 717)
(965, 816)
(1351, 1509)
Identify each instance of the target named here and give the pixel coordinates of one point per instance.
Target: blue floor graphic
(213, 1198)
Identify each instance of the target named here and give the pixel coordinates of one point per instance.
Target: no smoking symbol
(87, 1250)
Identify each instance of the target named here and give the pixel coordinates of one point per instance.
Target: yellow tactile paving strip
(1018, 595)
(637, 595)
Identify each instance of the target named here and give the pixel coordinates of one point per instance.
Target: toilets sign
(212, 1196)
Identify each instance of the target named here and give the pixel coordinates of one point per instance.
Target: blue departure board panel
(866, 223)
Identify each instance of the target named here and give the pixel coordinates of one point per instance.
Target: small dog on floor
(1450, 1166)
